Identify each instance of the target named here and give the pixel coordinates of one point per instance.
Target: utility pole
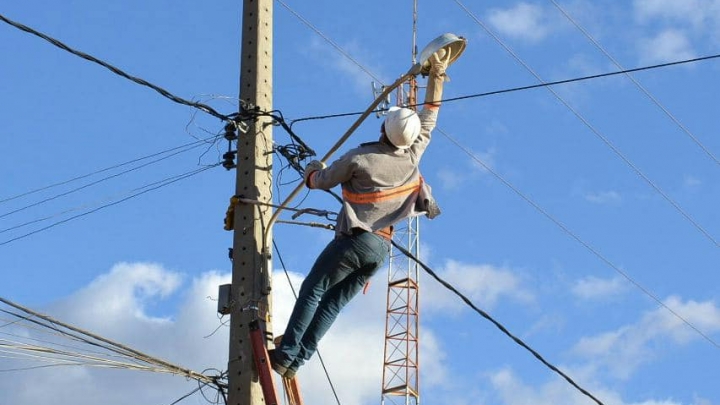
(250, 300)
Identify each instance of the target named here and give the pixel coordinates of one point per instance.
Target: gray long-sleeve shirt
(381, 185)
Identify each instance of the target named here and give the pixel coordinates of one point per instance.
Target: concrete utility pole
(250, 290)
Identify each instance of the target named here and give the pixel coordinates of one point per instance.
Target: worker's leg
(338, 260)
(371, 252)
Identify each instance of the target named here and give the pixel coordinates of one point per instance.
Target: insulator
(230, 134)
(229, 160)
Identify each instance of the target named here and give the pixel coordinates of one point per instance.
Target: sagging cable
(235, 200)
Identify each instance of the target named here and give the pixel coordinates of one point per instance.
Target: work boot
(279, 368)
(292, 370)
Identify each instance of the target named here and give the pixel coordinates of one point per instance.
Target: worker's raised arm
(433, 94)
(433, 97)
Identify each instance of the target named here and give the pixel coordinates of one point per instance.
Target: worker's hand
(439, 62)
(311, 168)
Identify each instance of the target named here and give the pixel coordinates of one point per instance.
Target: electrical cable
(330, 41)
(303, 149)
(49, 343)
(566, 81)
(187, 395)
(16, 369)
(474, 307)
(547, 84)
(496, 323)
(532, 86)
(165, 182)
(218, 386)
(595, 131)
(330, 215)
(59, 356)
(322, 362)
(86, 206)
(70, 331)
(187, 149)
(310, 224)
(637, 84)
(286, 151)
(574, 236)
(163, 92)
(61, 183)
(212, 112)
(585, 78)
(123, 353)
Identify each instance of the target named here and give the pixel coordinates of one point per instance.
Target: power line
(595, 131)
(42, 329)
(478, 310)
(164, 183)
(584, 78)
(81, 335)
(114, 69)
(496, 323)
(85, 206)
(61, 183)
(535, 205)
(330, 41)
(534, 86)
(187, 395)
(99, 181)
(577, 238)
(637, 84)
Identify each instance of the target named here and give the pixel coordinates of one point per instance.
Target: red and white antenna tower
(401, 367)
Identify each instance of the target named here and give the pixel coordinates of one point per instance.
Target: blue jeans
(339, 273)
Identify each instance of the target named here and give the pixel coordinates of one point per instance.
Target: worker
(381, 185)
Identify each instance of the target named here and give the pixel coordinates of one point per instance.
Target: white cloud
(434, 369)
(692, 182)
(604, 197)
(682, 24)
(361, 72)
(453, 179)
(524, 21)
(668, 45)
(122, 293)
(705, 316)
(623, 350)
(483, 284)
(487, 158)
(450, 179)
(514, 391)
(590, 288)
(691, 11)
(186, 338)
(116, 305)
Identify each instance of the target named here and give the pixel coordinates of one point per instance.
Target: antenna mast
(401, 369)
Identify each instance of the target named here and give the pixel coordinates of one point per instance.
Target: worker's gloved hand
(312, 167)
(439, 62)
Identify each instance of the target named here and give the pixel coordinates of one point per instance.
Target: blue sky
(578, 192)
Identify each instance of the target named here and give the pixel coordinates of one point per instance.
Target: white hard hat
(402, 127)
